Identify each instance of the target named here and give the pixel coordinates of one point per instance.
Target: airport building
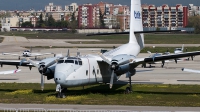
(165, 16)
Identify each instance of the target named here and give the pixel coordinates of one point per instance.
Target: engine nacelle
(122, 59)
(122, 69)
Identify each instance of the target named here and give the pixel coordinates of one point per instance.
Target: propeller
(113, 66)
(41, 68)
(68, 54)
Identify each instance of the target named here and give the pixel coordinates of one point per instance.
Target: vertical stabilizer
(136, 23)
(182, 48)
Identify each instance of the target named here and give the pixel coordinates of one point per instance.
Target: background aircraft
(28, 53)
(9, 72)
(102, 68)
(190, 70)
(176, 51)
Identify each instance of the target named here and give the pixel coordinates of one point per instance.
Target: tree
(62, 24)
(101, 19)
(194, 21)
(27, 24)
(40, 22)
(73, 23)
(51, 21)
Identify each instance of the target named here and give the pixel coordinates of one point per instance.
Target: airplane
(179, 50)
(27, 53)
(9, 72)
(190, 70)
(103, 67)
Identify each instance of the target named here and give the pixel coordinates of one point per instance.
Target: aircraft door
(95, 76)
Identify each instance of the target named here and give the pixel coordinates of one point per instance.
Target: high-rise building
(193, 10)
(88, 16)
(165, 16)
(53, 8)
(73, 7)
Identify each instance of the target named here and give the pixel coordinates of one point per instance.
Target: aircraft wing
(138, 61)
(16, 62)
(38, 54)
(190, 70)
(9, 71)
(10, 54)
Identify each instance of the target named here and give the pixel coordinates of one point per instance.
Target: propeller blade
(68, 54)
(104, 58)
(51, 63)
(32, 62)
(111, 79)
(42, 82)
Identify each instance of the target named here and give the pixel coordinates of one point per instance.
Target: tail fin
(136, 23)
(182, 48)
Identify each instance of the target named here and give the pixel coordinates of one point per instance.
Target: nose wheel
(60, 91)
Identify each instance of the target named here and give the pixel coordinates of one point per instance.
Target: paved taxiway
(170, 74)
(97, 108)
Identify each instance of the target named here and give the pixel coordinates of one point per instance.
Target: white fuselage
(88, 70)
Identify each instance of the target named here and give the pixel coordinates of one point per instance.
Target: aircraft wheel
(128, 90)
(60, 95)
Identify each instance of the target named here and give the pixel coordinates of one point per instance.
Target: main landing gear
(129, 89)
(128, 75)
(60, 91)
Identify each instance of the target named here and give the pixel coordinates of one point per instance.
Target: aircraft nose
(59, 78)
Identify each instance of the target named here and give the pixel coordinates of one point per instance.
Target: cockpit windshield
(69, 61)
(74, 60)
(60, 61)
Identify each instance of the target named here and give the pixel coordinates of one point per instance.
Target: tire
(128, 90)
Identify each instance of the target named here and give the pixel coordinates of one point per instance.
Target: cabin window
(60, 61)
(86, 72)
(76, 62)
(80, 62)
(97, 71)
(69, 61)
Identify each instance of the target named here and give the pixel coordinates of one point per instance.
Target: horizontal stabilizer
(136, 32)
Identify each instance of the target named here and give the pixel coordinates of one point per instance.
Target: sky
(40, 4)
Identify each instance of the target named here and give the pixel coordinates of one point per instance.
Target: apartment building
(88, 16)
(53, 8)
(11, 21)
(73, 7)
(165, 16)
(193, 10)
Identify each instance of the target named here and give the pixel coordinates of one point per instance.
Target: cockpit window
(80, 62)
(69, 61)
(60, 61)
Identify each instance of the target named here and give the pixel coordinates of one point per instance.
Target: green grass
(112, 39)
(142, 95)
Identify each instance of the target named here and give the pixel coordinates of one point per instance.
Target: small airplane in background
(179, 50)
(190, 70)
(176, 51)
(9, 72)
(27, 53)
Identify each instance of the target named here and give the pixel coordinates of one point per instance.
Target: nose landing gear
(60, 91)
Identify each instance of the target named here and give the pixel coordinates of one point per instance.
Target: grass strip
(100, 94)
